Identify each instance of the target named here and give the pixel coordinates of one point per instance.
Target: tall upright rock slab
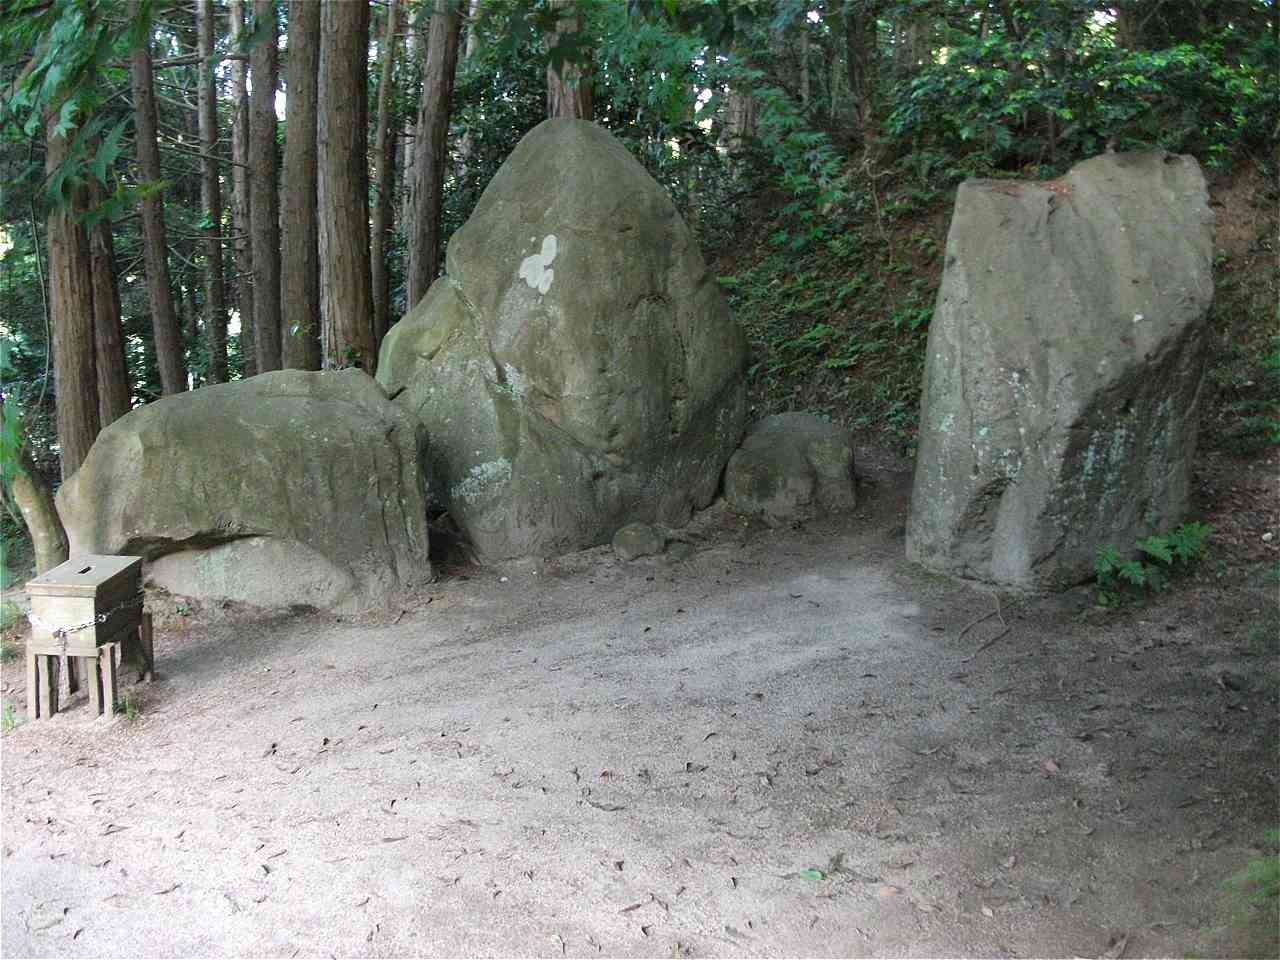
(1064, 371)
(576, 366)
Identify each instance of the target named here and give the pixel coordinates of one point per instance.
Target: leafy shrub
(1151, 565)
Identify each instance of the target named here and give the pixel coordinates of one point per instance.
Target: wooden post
(47, 684)
(148, 650)
(95, 685)
(107, 659)
(33, 691)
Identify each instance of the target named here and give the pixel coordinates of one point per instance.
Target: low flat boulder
(639, 540)
(1063, 379)
(290, 488)
(791, 466)
(576, 366)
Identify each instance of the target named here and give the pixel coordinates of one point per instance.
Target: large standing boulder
(576, 366)
(791, 466)
(1064, 370)
(287, 488)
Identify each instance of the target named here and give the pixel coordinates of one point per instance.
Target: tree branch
(181, 148)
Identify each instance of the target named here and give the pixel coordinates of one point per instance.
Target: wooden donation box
(86, 615)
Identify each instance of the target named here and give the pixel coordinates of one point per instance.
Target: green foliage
(8, 719)
(1250, 385)
(1151, 565)
(840, 329)
(1260, 879)
(129, 707)
(70, 45)
(1056, 82)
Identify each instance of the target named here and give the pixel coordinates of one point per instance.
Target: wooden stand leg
(47, 683)
(148, 651)
(33, 688)
(94, 680)
(108, 657)
(69, 668)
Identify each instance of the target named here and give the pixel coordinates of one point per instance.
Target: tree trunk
(408, 136)
(473, 35)
(191, 314)
(108, 346)
(299, 218)
(346, 294)
(569, 83)
(431, 153)
(32, 494)
(860, 53)
(264, 208)
(71, 309)
(155, 240)
(240, 203)
(466, 144)
(740, 119)
(384, 164)
(215, 297)
(805, 87)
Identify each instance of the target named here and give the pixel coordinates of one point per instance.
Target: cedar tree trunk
(384, 164)
(264, 210)
(299, 220)
(108, 344)
(430, 153)
(569, 82)
(346, 287)
(155, 240)
(240, 202)
(215, 296)
(71, 309)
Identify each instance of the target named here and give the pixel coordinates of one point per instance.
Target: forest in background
(197, 191)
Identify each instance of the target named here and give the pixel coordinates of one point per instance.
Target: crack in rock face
(535, 269)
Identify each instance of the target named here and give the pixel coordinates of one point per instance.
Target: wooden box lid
(84, 576)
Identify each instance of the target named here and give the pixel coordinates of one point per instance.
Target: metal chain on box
(61, 633)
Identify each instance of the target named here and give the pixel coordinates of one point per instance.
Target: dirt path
(783, 746)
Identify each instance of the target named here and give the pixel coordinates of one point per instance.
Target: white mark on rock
(1138, 318)
(516, 383)
(482, 478)
(535, 269)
